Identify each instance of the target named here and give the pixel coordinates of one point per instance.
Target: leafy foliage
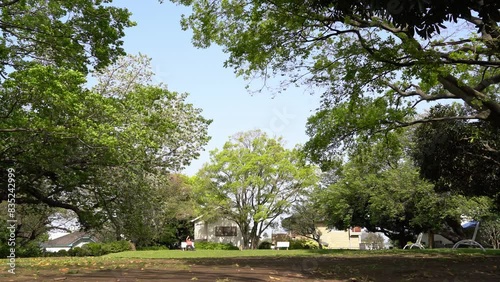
(382, 191)
(303, 244)
(70, 145)
(374, 73)
(71, 34)
(458, 156)
(304, 221)
(425, 17)
(252, 181)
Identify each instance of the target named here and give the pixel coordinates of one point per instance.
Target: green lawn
(177, 254)
(153, 259)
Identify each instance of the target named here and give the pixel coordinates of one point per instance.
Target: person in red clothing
(189, 243)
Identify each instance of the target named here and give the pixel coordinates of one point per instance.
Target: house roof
(69, 240)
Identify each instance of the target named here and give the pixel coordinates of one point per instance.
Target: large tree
(374, 74)
(148, 208)
(253, 180)
(385, 193)
(47, 48)
(458, 156)
(67, 141)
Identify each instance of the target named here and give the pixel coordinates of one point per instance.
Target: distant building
(340, 239)
(68, 242)
(219, 231)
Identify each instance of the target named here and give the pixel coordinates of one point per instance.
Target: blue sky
(213, 88)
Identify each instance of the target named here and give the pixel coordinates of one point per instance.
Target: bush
(99, 249)
(116, 246)
(94, 249)
(301, 244)
(78, 252)
(265, 245)
(30, 249)
(61, 253)
(214, 246)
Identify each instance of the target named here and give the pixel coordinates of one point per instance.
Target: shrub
(265, 245)
(214, 246)
(303, 244)
(116, 246)
(99, 249)
(61, 253)
(30, 249)
(94, 249)
(78, 252)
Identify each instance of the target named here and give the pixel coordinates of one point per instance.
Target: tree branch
(418, 92)
(9, 3)
(487, 82)
(404, 124)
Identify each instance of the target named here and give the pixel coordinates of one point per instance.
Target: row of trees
(109, 153)
(407, 183)
(379, 64)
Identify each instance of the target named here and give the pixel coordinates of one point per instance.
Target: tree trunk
(430, 236)
(403, 239)
(452, 231)
(319, 243)
(254, 238)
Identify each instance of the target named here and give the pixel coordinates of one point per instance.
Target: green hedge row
(298, 244)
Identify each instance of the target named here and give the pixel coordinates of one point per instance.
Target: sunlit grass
(177, 254)
(175, 258)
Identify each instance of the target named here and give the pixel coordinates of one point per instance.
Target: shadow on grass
(442, 251)
(369, 268)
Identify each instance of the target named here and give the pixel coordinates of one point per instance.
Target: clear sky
(213, 88)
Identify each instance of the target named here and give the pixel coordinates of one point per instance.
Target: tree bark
(430, 236)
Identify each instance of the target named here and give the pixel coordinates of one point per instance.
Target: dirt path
(368, 268)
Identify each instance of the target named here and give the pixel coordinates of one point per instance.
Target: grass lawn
(259, 265)
(177, 254)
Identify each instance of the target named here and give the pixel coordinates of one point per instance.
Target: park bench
(417, 244)
(184, 246)
(282, 245)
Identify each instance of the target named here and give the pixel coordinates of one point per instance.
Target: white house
(67, 242)
(219, 231)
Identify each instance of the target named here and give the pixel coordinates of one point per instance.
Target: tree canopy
(423, 16)
(253, 180)
(76, 34)
(65, 141)
(381, 190)
(458, 156)
(375, 75)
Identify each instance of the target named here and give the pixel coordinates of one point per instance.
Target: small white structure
(282, 245)
(417, 244)
(220, 231)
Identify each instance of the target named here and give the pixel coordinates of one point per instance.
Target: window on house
(225, 231)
